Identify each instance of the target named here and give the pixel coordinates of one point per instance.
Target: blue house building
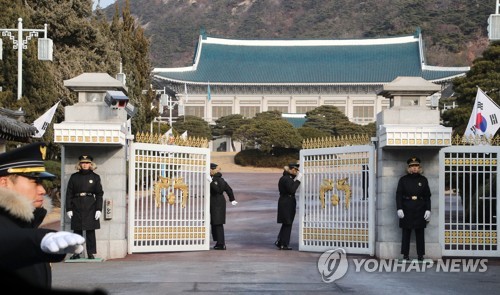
(243, 76)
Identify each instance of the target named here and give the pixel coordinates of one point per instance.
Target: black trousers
(218, 233)
(405, 243)
(284, 235)
(90, 241)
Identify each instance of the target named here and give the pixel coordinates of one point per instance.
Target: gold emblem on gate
(180, 184)
(170, 185)
(326, 186)
(341, 185)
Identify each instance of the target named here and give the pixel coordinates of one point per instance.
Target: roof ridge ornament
(203, 33)
(418, 31)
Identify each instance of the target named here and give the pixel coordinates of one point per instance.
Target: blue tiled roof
(296, 122)
(229, 61)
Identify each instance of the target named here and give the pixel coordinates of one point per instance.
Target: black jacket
(287, 186)
(217, 200)
(414, 210)
(84, 207)
(20, 250)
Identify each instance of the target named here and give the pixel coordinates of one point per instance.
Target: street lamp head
(44, 47)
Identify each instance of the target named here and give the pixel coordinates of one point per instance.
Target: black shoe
(285, 247)
(406, 257)
(220, 247)
(91, 256)
(277, 243)
(420, 258)
(75, 256)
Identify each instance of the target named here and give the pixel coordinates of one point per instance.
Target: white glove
(62, 243)
(209, 178)
(299, 177)
(234, 203)
(427, 215)
(70, 214)
(401, 214)
(97, 215)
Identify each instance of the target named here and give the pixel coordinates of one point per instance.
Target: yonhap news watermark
(333, 265)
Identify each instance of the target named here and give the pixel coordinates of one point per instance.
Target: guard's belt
(413, 198)
(84, 195)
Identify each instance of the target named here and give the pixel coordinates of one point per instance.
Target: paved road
(252, 265)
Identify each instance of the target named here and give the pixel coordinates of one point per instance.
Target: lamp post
(44, 47)
(166, 100)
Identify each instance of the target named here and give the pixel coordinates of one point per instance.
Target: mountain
(454, 31)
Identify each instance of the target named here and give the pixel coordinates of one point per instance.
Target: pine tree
(134, 51)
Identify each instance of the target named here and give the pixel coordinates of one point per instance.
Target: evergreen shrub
(257, 158)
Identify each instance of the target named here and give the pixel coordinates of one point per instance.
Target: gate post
(99, 125)
(408, 128)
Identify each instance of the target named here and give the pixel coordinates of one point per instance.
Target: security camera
(131, 110)
(116, 99)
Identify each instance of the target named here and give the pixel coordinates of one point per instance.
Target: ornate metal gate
(468, 181)
(168, 199)
(337, 200)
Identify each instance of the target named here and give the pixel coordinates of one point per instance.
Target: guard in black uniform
(84, 202)
(287, 186)
(413, 199)
(218, 205)
(26, 250)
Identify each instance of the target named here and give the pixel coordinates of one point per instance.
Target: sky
(104, 3)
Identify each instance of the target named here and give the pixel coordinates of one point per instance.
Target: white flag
(43, 122)
(186, 93)
(184, 135)
(169, 133)
(484, 118)
(169, 136)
